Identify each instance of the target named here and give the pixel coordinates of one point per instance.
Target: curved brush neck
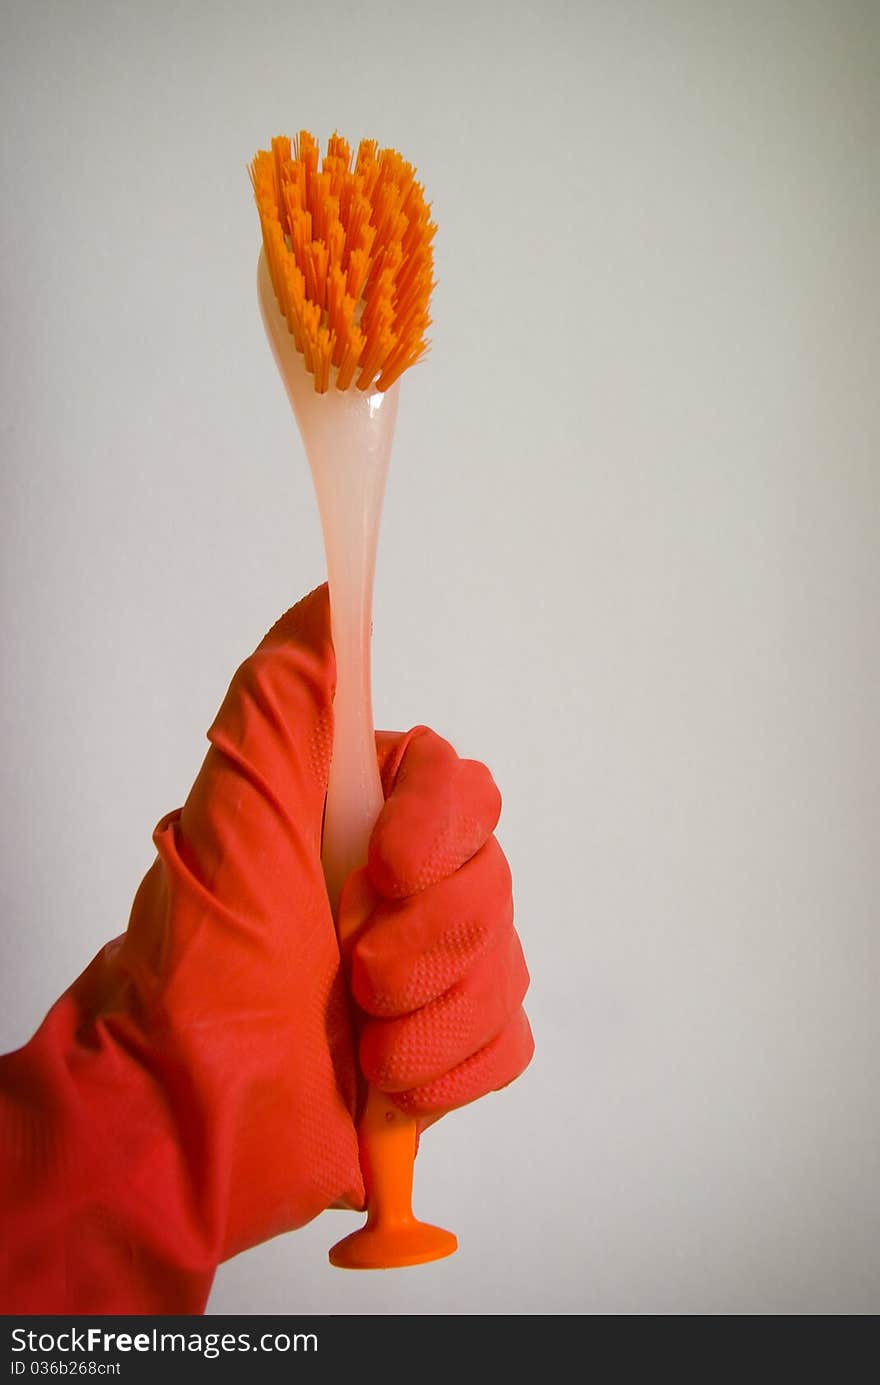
(348, 439)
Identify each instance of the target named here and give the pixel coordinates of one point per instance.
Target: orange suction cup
(386, 1247)
(392, 1236)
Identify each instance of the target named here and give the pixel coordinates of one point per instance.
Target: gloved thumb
(270, 749)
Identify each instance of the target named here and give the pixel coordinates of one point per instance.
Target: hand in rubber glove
(194, 1092)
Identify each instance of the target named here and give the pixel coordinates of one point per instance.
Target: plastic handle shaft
(350, 490)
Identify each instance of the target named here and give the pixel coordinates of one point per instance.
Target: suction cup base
(388, 1247)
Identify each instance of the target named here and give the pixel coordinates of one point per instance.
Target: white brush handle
(350, 490)
(348, 439)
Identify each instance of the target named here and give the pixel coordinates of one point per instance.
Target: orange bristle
(350, 257)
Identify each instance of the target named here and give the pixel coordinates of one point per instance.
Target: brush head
(349, 252)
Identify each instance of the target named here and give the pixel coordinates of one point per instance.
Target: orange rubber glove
(195, 1091)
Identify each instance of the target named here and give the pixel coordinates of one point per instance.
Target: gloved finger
(419, 1048)
(390, 746)
(408, 952)
(438, 812)
(493, 1067)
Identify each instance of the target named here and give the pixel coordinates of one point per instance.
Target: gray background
(629, 558)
